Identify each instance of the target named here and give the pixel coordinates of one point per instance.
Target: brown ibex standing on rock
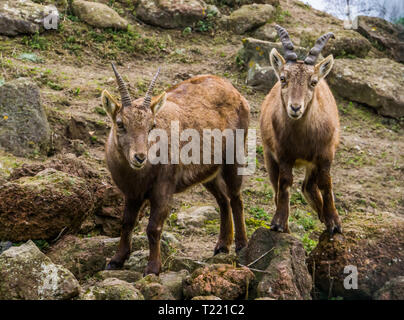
(300, 127)
(202, 102)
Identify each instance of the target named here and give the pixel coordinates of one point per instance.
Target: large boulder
(44, 205)
(24, 128)
(174, 281)
(384, 35)
(375, 82)
(112, 289)
(221, 280)
(26, 273)
(171, 14)
(279, 263)
(347, 43)
(25, 17)
(369, 253)
(152, 288)
(248, 18)
(98, 15)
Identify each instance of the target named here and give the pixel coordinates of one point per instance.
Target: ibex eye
(120, 125)
(282, 78)
(313, 83)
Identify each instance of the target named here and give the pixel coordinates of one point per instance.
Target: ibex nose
(140, 157)
(295, 108)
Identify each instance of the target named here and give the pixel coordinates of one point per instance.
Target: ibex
(201, 102)
(300, 127)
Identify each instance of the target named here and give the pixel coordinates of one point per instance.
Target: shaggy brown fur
(202, 102)
(300, 127)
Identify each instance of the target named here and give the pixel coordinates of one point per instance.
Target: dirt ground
(72, 70)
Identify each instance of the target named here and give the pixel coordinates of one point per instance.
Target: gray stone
(98, 15)
(196, 217)
(124, 275)
(112, 289)
(4, 245)
(281, 259)
(24, 128)
(26, 273)
(174, 263)
(24, 17)
(171, 14)
(375, 82)
(384, 35)
(174, 282)
(248, 17)
(153, 289)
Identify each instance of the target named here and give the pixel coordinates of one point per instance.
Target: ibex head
(299, 78)
(131, 121)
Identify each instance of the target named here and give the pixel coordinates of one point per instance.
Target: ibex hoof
(114, 266)
(220, 250)
(334, 229)
(279, 228)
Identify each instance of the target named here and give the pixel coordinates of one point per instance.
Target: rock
(285, 275)
(152, 288)
(42, 206)
(84, 257)
(206, 298)
(25, 17)
(347, 43)
(77, 129)
(248, 17)
(224, 281)
(174, 263)
(112, 289)
(98, 15)
(196, 217)
(4, 245)
(392, 290)
(137, 260)
(26, 273)
(267, 33)
(224, 258)
(174, 282)
(234, 3)
(24, 128)
(375, 82)
(373, 244)
(385, 35)
(171, 14)
(262, 78)
(124, 275)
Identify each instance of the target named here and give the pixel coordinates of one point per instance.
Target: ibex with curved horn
(202, 102)
(300, 127)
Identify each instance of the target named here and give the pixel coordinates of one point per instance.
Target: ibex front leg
(130, 218)
(332, 220)
(159, 210)
(280, 220)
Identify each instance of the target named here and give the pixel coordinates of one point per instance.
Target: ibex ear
(324, 67)
(277, 61)
(110, 105)
(158, 103)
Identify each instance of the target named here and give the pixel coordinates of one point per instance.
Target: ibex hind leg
(312, 193)
(234, 181)
(217, 188)
(130, 218)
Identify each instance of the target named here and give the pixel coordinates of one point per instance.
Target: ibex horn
(316, 50)
(289, 55)
(123, 90)
(147, 99)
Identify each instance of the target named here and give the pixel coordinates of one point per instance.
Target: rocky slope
(55, 189)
